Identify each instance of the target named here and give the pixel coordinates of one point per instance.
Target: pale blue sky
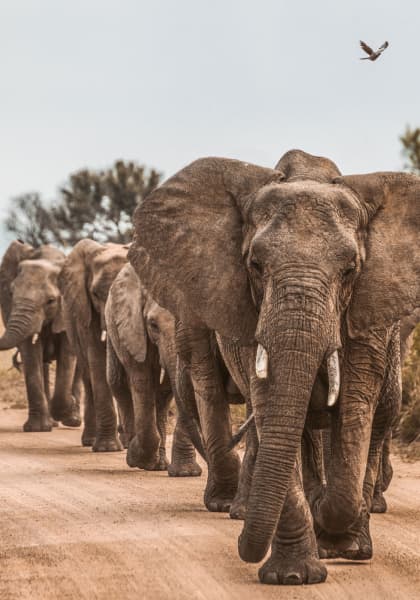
(166, 81)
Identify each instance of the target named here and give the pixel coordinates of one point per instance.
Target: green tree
(411, 149)
(30, 220)
(94, 204)
(410, 420)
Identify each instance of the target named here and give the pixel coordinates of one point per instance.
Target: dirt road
(78, 525)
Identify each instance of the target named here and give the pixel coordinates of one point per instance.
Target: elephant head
(285, 259)
(29, 293)
(85, 280)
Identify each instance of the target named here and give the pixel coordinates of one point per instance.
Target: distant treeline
(94, 204)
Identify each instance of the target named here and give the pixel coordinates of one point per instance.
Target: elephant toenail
(293, 579)
(271, 578)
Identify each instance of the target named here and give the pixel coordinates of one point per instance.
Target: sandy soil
(74, 524)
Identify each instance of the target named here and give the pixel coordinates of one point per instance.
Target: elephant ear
(16, 252)
(72, 283)
(298, 165)
(124, 314)
(187, 247)
(388, 287)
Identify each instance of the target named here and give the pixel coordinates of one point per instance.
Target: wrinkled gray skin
(84, 281)
(385, 473)
(31, 304)
(140, 343)
(333, 264)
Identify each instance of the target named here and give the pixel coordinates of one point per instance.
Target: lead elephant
(31, 309)
(141, 365)
(84, 281)
(298, 270)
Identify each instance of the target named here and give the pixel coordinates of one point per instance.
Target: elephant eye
(51, 300)
(256, 265)
(350, 269)
(153, 325)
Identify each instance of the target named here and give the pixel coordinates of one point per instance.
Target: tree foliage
(411, 149)
(30, 220)
(410, 420)
(94, 204)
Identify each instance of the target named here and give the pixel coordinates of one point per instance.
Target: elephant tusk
(103, 335)
(261, 362)
(333, 368)
(162, 376)
(35, 338)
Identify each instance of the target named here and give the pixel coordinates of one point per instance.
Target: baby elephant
(141, 365)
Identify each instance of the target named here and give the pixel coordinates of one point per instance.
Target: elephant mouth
(333, 370)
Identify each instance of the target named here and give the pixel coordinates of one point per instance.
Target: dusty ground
(79, 525)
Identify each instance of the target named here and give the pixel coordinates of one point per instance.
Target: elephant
(31, 309)
(304, 274)
(141, 366)
(84, 281)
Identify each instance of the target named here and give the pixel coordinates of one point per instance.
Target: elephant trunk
(22, 323)
(294, 357)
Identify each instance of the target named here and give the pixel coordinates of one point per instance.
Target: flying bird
(372, 54)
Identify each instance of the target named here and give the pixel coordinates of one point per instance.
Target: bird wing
(366, 48)
(382, 48)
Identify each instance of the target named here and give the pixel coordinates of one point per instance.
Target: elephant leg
(146, 449)
(386, 414)
(33, 367)
(46, 375)
(106, 418)
(384, 477)
(197, 355)
(63, 405)
(313, 456)
(163, 399)
(77, 388)
(238, 508)
(183, 459)
(89, 429)
(379, 504)
(117, 380)
(294, 556)
(387, 470)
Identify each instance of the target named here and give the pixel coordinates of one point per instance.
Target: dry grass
(12, 385)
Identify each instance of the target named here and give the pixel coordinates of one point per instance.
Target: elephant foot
(88, 437)
(38, 423)
(72, 421)
(138, 458)
(67, 413)
(351, 546)
(239, 504)
(54, 423)
(106, 445)
(238, 509)
(379, 504)
(292, 570)
(218, 498)
(160, 465)
(88, 441)
(184, 469)
(124, 439)
(222, 484)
